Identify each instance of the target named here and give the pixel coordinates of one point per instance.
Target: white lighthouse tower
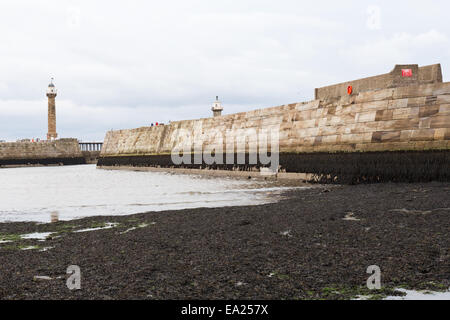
(217, 108)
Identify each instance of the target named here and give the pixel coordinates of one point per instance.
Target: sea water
(43, 194)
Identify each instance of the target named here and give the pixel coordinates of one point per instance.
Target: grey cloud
(120, 65)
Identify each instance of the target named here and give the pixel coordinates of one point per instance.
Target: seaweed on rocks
(342, 168)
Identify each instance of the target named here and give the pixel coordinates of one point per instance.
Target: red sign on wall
(349, 90)
(406, 73)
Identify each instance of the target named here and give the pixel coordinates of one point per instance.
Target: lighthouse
(51, 94)
(217, 108)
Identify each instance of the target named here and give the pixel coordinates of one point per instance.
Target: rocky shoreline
(315, 244)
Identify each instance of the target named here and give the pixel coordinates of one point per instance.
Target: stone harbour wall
(62, 151)
(352, 137)
(407, 118)
(394, 79)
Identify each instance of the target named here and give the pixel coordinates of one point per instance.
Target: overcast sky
(125, 64)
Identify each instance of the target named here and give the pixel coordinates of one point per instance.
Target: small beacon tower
(217, 108)
(51, 94)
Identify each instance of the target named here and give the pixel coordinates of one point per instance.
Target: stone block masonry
(394, 79)
(365, 136)
(62, 151)
(51, 117)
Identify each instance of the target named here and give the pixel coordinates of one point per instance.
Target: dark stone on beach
(336, 168)
(298, 248)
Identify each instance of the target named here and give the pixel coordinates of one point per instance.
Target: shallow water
(45, 194)
(421, 295)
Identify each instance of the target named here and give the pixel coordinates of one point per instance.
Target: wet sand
(315, 244)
